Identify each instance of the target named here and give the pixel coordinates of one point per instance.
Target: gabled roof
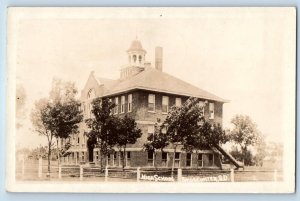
(154, 80)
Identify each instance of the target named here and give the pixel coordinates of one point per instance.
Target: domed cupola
(136, 54)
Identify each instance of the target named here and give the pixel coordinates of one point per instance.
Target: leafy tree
(183, 124)
(156, 141)
(244, 133)
(57, 116)
(245, 156)
(103, 127)
(128, 133)
(260, 151)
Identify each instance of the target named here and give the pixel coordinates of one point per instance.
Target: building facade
(145, 93)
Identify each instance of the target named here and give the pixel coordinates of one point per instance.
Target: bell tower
(136, 60)
(136, 54)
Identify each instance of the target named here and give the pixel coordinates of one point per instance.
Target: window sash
(165, 104)
(178, 102)
(202, 104)
(129, 102)
(151, 102)
(117, 105)
(211, 110)
(122, 104)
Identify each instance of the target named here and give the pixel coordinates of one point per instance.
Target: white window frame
(202, 104)
(165, 102)
(116, 109)
(152, 158)
(150, 128)
(167, 161)
(151, 95)
(122, 104)
(201, 159)
(211, 110)
(126, 158)
(129, 107)
(178, 100)
(191, 159)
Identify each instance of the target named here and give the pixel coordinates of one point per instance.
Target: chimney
(158, 58)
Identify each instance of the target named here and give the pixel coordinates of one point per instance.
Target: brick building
(145, 93)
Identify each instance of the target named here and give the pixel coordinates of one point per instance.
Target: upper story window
(165, 104)
(151, 103)
(117, 105)
(91, 94)
(129, 102)
(178, 102)
(202, 106)
(122, 104)
(211, 110)
(150, 131)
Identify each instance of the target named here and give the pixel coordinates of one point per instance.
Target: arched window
(134, 58)
(91, 94)
(140, 58)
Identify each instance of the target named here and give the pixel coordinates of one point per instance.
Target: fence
(37, 170)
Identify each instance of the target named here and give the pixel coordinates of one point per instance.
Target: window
(129, 102)
(150, 158)
(211, 110)
(108, 159)
(82, 156)
(151, 103)
(177, 159)
(188, 159)
(164, 159)
(134, 58)
(120, 158)
(114, 159)
(128, 157)
(165, 104)
(201, 104)
(122, 104)
(97, 155)
(140, 58)
(178, 102)
(78, 140)
(200, 160)
(210, 159)
(150, 132)
(117, 105)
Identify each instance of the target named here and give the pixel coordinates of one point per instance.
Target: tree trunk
(124, 152)
(100, 159)
(49, 156)
(58, 155)
(197, 159)
(154, 160)
(173, 162)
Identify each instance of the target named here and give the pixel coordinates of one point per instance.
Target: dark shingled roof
(154, 80)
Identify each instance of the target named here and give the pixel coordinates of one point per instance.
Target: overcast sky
(239, 55)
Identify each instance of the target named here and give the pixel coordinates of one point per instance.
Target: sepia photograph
(157, 100)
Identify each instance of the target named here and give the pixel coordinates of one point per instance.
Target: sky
(239, 55)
